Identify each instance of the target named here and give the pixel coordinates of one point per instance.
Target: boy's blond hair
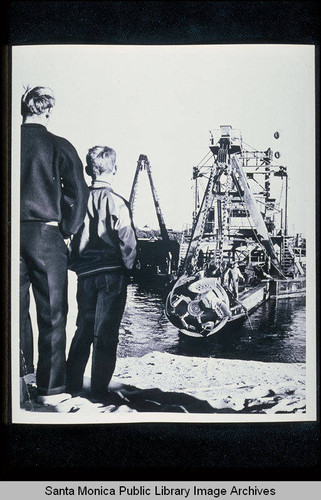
(100, 159)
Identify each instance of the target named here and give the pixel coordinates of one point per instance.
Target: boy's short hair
(100, 159)
(36, 100)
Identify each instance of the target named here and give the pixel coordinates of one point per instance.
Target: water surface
(275, 332)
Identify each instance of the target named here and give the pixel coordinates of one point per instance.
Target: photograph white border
(19, 416)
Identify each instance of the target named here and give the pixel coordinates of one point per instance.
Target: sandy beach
(163, 382)
(225, 384)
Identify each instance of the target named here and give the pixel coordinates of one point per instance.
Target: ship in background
(238, 253)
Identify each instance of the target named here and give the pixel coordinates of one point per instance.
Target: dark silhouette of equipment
(143, 164)
(234, 224)
(157, 257)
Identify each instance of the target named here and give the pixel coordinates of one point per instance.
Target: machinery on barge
(158, 254)
(239, 252)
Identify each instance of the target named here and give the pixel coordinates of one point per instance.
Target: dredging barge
(159, 252)
(239, 253)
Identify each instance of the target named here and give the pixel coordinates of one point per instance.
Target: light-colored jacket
(106, 240)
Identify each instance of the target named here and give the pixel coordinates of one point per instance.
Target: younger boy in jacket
(102, 252)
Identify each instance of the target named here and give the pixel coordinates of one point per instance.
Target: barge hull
(283, 289)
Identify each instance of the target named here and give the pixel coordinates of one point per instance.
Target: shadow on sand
(121, 395)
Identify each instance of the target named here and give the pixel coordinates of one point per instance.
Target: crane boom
(236, 174)
(143, 164)
(196, 237)
(256, 215)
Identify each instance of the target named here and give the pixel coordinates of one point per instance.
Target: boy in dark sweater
(53, 202)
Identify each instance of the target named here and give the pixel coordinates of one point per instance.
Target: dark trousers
(101, 302)
(43, 265)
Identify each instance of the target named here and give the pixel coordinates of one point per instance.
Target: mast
(143, 164)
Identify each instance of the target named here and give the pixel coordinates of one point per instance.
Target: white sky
(162, 102)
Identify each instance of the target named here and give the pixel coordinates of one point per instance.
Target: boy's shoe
(76, 394)
(53, 399)
(109, 398)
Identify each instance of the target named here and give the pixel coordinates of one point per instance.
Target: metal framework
(144, 165)
(236, 206)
